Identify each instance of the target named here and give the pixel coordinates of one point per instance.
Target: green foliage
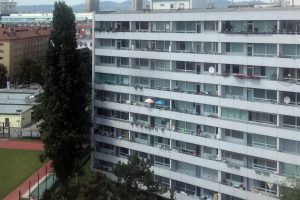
(99, 187)
(135, 175)
(134, 182)
(3, 78)
(28, 71)
(292, 192)
(85, 59)
(62, 107)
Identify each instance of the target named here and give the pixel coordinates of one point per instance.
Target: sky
(37, 2)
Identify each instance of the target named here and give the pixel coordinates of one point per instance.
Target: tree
(65, 123)
(3, 78)
(136, 180)
(290, 190)
(85, 59)
(99, 187)
(28, 71)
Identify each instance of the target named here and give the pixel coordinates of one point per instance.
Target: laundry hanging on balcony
(150, 101)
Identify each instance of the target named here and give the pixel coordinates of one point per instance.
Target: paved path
(15, 144)
(25, 145)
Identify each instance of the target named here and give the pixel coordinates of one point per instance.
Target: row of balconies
(233, 160)
(187, 187)
(267, 119)
(206, 174)
(231, 92)
(233, 27)
(258, 144)
(223, 48)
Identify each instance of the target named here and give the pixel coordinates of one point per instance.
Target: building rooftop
(14, 109)
(17, 97)
(18, 33)
(233, 8)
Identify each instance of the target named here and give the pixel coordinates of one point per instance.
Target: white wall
(167, 4)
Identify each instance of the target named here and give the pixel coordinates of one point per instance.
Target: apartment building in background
(17, 43)
(8, 7)
(83, 24)
(211, 97)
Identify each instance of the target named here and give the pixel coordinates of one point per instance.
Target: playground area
(16, 166)
(21, 169)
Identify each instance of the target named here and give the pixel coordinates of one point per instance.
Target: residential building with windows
(83, 24)
(21, 42)
(211, 97)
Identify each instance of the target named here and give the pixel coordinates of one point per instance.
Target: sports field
(15, 167)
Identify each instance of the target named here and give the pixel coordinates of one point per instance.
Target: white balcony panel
(204, 15)
(212, 37)
(223, 59)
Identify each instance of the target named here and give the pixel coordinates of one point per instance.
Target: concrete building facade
(211, 99)
(17, 43)
(92, 5)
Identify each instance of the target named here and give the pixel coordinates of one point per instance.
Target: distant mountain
(104, 5)
(113, 6)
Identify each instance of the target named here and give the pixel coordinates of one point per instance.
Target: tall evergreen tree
(65, 117)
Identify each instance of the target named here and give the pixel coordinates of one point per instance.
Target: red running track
(23, 145)
(14, 144)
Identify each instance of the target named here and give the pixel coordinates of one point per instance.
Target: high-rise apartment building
(210, 97)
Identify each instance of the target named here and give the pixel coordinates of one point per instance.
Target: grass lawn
(15, 167)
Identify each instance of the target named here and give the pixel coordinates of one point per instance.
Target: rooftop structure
(178, 4)
(16, 107)
(211, 99)
(92, 5)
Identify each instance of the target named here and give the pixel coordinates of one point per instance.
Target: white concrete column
(219, 47)
(278, 73)
(278, 50)
(219, 90)
(219, 176)
(219, 135)
(219, 196)
(219, 69)
(219, 156)
(220, 26)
